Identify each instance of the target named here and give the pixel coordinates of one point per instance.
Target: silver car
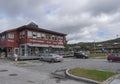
(51, 57)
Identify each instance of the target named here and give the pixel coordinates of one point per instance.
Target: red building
(30, 40)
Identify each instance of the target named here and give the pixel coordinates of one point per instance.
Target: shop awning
(37, 45)
(43, 45)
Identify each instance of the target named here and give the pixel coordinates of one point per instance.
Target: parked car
(51, 57)
(80, 55)
(113, 57)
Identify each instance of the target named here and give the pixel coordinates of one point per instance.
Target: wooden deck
(29, 58)
(20, 58)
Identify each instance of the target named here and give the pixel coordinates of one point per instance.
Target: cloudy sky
(81, 20)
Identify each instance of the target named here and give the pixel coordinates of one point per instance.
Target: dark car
(113, 57)
(80, 55)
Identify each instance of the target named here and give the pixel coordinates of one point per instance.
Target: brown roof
(33, 26)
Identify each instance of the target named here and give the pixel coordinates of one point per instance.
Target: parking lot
(40, 72)
(100, 64)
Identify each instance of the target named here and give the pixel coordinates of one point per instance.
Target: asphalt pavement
(39, 72)
(16, 73)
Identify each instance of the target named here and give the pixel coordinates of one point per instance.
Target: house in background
(30, 40)
(106, 48)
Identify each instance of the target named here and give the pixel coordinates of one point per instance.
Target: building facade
(30, 40)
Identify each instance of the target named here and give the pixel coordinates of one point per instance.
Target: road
(100, 64)
(39, 72)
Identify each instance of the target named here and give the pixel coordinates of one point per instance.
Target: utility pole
(94, 45)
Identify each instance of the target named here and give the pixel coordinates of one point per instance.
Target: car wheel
(52, 60)
(110, 60)
(84, 57)
(41, 59)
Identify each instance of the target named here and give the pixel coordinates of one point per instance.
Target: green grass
(92, 74)
(22, 62)
(98, 55)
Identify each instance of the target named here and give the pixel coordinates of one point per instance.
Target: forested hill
(112, 41)
(83, 44)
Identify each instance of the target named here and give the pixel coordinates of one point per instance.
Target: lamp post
(94, 45)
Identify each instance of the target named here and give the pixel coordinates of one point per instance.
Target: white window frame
(22, 34)
(39, 35)
(29, 34)
(43, 35)
(34, 34)
(11, 35)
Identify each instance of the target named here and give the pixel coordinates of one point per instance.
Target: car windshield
(53, 54)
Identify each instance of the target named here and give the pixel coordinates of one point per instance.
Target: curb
(81, 78)
(109, 80)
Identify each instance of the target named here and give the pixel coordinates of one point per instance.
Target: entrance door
(16, 51)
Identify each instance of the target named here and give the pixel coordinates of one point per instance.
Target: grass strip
(98, 55)
(92, 74)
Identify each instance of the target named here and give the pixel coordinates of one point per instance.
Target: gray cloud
(17, 7)
(82, 20)
(103, 6)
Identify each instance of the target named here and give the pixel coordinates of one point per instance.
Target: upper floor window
(3, 37)
(54, 37)
(22, 34)
(11, 35)
(48, 36)
(60, 37)
(39, 35)
(43, 36)
(34, 34)
(29, 34)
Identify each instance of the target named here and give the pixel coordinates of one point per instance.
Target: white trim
(37, 45)
(44, 45)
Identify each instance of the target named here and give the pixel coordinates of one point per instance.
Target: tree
(65, 44)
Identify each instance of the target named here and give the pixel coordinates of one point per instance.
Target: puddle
(58, 80)
(59, 75)
(118, 69)
(13, 74)
(31, 81)
(3, 70)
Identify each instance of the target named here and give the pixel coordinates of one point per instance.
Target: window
(34, 34)
(22, 34)
(29, 34)
(39, 35)
(3, 37)
(60, 37)
(43, 36)
(53, 37)
(48, 36)
(10, 35)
